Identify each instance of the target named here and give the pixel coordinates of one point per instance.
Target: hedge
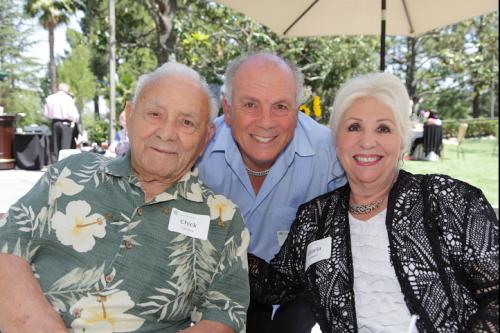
(477, 127)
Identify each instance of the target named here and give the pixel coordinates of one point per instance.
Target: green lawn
(480, 167)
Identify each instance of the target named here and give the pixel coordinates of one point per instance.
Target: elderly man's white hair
(177, 69)
(236, 63)
(63, 87)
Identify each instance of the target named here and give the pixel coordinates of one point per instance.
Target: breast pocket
(281, 219)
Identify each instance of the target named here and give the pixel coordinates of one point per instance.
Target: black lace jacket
(443, 238)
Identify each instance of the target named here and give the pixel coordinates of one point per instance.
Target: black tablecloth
(32, 151)
(433, 139)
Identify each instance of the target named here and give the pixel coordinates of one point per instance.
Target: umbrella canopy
(301, 18)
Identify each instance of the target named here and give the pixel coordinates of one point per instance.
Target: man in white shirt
(60, 108)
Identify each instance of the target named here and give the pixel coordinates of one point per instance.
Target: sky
(40, 49)
(40, 37)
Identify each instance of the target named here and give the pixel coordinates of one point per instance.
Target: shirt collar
(188, 187)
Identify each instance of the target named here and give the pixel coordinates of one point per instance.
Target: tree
(50, 14)
(14, 42)
(452, 65)
(75, 69)
(19, 91)
(163, 13)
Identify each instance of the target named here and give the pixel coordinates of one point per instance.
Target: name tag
(318, 250)
(282, 235)
(192, 225)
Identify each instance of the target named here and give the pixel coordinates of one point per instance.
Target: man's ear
(128, 113)
(208, 137)
(227, 111)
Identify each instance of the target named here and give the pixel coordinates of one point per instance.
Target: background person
(268, 158)
(120, 144)
(389, 249)
(60, 108)
(130, 244)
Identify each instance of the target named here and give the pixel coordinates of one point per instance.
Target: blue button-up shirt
(306, 168)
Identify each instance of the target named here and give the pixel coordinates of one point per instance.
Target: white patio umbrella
(301, 18)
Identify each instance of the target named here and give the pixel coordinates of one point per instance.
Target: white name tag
(318, 250)
(282, 235)
(192, 225)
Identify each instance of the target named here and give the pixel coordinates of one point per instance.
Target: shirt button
(139, 211)
(129, 244)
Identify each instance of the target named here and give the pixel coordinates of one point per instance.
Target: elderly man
(268, 159)
(60, 108)
(132, 244)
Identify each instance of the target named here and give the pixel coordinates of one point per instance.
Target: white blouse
(379, 302)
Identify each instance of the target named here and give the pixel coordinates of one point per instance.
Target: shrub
(477, 127)
(97, 131)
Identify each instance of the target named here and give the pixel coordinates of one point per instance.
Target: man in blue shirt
(268, 158)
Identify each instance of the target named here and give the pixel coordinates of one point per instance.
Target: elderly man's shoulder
(83, 160)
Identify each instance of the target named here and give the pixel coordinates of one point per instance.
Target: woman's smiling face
(369, 144)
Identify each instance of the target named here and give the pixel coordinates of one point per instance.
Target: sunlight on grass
(479, 168)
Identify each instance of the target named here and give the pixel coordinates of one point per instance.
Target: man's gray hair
(171, 69)
(63, 87)
(383, 87)
(235, 64)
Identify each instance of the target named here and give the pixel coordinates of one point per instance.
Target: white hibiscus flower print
(105, 314)
(242, 249)
(195, 194)
(196, 315)
(64, 185)
(221, 208)
(164, 196)
(76, 229)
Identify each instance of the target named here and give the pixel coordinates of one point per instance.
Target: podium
(7, 130)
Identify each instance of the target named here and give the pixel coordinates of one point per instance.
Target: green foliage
(476, 128)
(209, 35)
(51, 13)
(75, 69)
(454, 65)
(451, 65)
(26, 103)
(14, 42)
(140, 61)
(97, 129)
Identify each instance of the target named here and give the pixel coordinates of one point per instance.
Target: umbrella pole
(382, 38)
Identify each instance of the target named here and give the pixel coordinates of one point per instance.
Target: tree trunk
(96, 107)
(163, 12)
(411, 84)
(410, 66)
(476, 112)
(52, 60)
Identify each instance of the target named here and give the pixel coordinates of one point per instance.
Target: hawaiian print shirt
(107, 260)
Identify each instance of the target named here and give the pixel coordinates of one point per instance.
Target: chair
(462, 128)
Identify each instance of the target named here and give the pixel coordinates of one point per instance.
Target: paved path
(14, 184)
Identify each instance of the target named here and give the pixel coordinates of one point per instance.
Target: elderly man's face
(168, 128)
(263, 114)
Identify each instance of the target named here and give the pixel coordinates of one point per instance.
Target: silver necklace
(366, 208)
(257, 173)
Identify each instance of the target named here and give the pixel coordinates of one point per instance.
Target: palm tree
(50, 14)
